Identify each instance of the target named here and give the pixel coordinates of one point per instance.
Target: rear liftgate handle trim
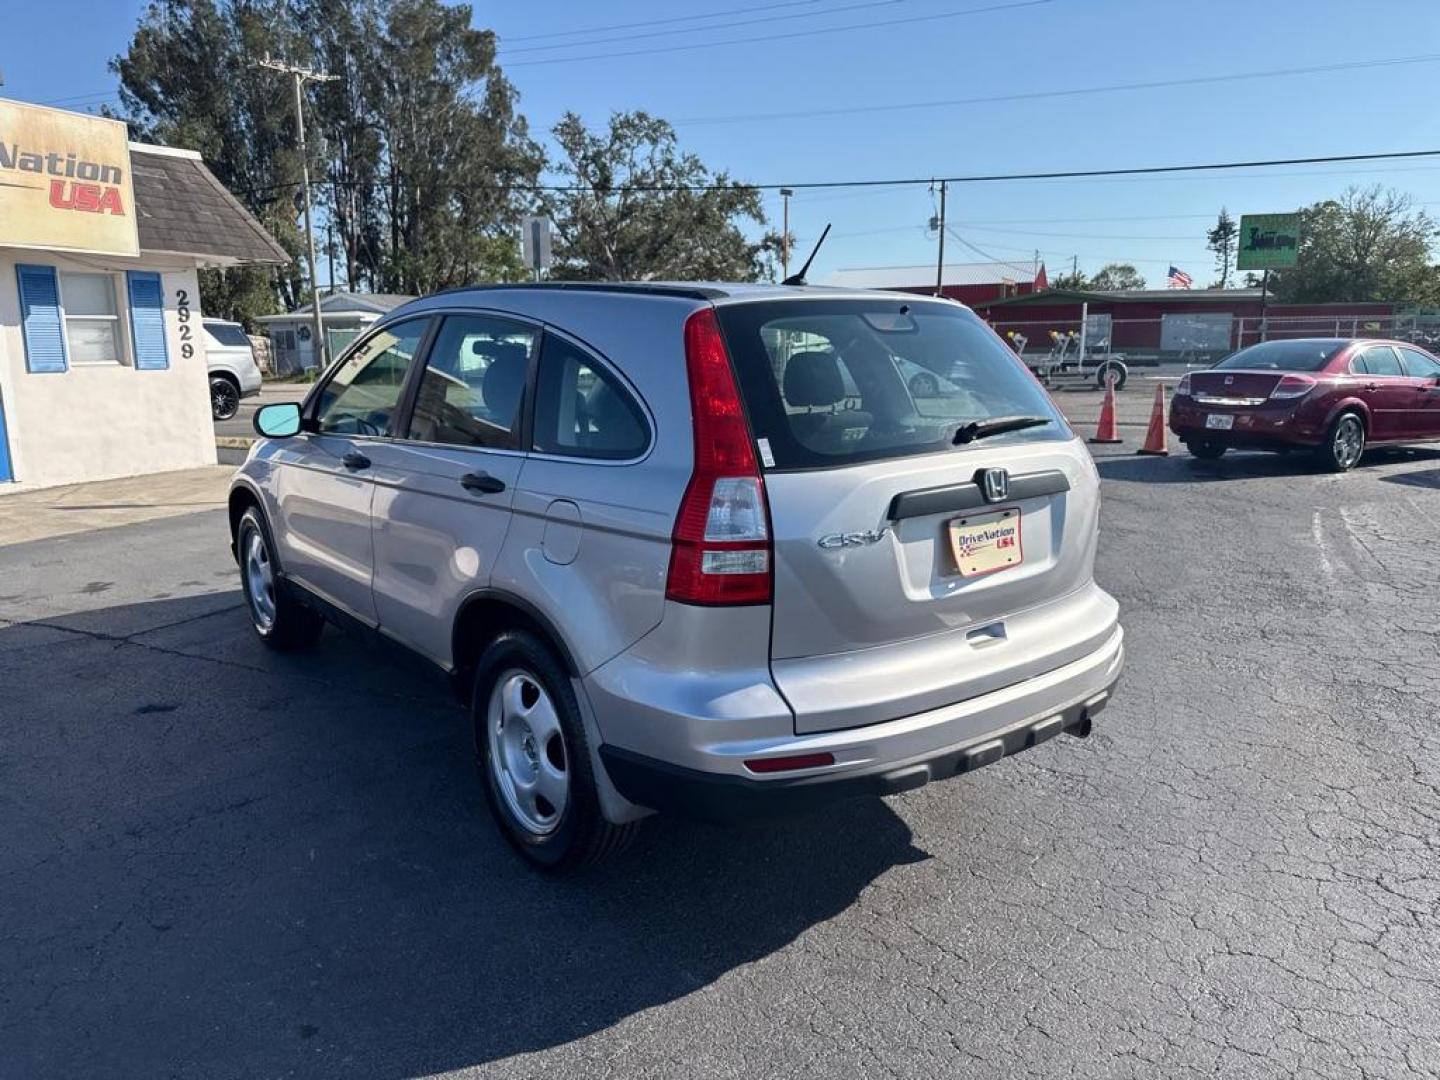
(968, 496)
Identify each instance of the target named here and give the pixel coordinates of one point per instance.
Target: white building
(102, 359)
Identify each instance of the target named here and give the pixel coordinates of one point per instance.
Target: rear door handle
(482, 483)
(1371, 386)
(355, 460)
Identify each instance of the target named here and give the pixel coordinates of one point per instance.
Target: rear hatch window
(836, 382)
(1297, 355)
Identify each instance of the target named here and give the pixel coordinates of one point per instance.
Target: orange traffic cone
(1106, 431)
(1155, 438)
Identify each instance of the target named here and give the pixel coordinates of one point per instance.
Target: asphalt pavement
(219, 862)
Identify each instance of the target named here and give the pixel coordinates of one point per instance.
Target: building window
(92, 318)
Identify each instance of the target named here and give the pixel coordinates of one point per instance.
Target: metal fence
(1207, 337)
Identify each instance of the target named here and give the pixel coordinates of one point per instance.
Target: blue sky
(927, 50)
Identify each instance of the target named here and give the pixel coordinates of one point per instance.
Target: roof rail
(682, 292)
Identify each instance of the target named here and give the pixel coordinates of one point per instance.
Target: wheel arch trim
(531, 613)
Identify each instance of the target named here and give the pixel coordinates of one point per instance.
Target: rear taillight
(720, 551)
(1182, 388)
(1293, 386)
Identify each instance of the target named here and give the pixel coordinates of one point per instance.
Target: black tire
(1206, 449)
(580, 835)
(224, 397)
(1344, 444)
(1121, 375)
(279, 620)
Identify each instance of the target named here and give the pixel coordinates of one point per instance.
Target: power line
(975, 178)
(1074, 236)
(1018, 4)
(661, 22)
(93, 94)
(702, 29)
(1039, 95)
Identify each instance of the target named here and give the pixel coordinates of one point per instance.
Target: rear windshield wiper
(983, 429)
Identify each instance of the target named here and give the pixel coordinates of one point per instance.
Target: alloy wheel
(1348, 442)
(224, 399)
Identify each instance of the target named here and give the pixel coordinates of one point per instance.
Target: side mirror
(278, 421)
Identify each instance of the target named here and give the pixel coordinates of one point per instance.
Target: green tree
(1114, 276)
(1075, 280)
(1371, 244)
(187, 80)
(641, 209)
(456, 157)
(421, 159)
(1222, 240)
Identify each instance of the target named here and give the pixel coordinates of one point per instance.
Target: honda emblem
(994, 484)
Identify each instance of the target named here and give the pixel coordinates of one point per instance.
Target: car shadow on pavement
(1180, 468)
(228, 862)
(1426, 478)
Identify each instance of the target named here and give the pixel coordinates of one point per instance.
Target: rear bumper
(880, 759)
(1265, 427)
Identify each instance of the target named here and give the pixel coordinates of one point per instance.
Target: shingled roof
(181, 208)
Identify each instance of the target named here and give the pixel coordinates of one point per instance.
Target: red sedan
(1332, 396)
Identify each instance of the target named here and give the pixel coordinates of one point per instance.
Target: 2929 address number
(187, 332)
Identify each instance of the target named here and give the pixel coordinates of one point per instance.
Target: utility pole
(785, 194)
(940, 257)
(300, 76)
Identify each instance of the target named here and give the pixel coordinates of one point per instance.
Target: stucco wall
(100, 422)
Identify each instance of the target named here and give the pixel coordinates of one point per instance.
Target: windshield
(831, 382)
(1310, 355)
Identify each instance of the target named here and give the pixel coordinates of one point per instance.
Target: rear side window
(835, 382)
(227, 334)
(1382, 360)
(473, 383)
(582, 410)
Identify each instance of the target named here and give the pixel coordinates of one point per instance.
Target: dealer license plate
(985, 543)
(1219, 421)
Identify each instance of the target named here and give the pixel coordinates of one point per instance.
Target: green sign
(1268, 241)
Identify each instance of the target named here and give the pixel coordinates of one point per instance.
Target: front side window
(363, 394)
(582, 410)
(835, 382)
(474, 383)
(1420, 365)
(92, 319)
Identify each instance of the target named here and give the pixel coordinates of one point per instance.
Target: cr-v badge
(852, 539)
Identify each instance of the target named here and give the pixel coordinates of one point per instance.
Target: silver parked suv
(697, 548)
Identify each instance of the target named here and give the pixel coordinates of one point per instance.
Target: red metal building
(1165, 321)
(970, 283)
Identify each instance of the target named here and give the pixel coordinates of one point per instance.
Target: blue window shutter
(41, 319)
(147, 321)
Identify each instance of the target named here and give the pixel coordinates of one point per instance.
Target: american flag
(1178, 279)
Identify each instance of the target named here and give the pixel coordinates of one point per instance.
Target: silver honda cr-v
(728, 550)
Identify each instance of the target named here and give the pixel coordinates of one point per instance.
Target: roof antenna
(799, 279)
